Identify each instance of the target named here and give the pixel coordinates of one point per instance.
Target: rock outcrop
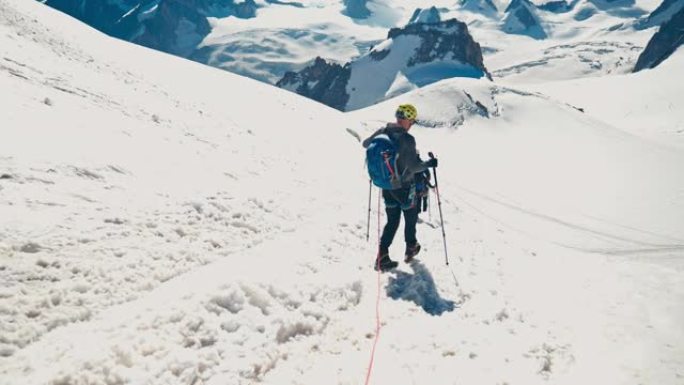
(663, 43)
(174, 27)
(447, 40)
(660, 15)
(322, 81)
(485, 7)
(429, 15)
(521, 18)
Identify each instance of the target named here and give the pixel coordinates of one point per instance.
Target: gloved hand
(432, 162)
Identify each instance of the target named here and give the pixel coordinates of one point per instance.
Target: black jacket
(408, 161)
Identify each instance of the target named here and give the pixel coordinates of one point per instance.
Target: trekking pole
(439, 204)
(429, 208)
(370, 189)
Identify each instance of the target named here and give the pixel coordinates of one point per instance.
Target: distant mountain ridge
(172, 26)
(411, 57)
(321, 49)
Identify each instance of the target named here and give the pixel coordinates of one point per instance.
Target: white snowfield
(162, 222)
(657, 113)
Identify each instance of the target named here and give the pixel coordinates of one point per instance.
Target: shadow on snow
(418, 288)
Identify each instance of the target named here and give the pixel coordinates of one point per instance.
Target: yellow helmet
(406, 111)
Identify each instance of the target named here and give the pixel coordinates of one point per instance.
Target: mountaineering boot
(384, 263)
(411, 252)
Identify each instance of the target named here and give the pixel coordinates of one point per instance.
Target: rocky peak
(485, 7)
(321, 81)
(447, 40)
(669, 37)
(521, 18)
(429, 15)
(244, 10)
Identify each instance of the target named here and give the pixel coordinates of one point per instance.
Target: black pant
(397, 201)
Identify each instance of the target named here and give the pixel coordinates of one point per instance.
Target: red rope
(377, 302)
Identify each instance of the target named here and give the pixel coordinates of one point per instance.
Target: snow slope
(647, 104)
(164, 222)
(119, 175)
(542, 173)
(567, 177)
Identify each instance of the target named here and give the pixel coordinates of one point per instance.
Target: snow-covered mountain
(427, 15)
(411, 57)
(521, 18)
(163, 222)
(485, 7)
(522, 41)
(665, 42)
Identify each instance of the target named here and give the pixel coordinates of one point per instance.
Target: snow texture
(163, 222)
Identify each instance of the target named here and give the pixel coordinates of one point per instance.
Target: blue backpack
(381, 159)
